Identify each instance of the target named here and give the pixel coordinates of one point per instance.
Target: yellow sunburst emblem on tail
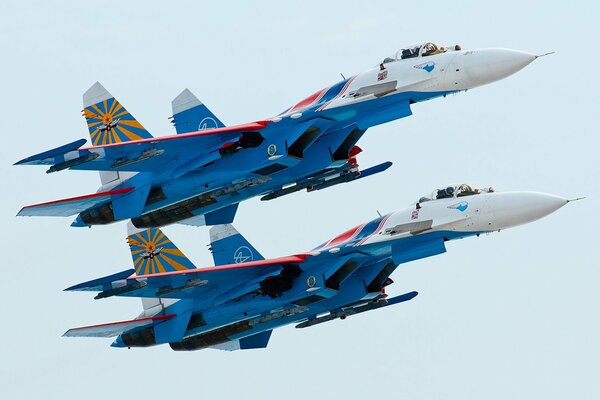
(154, 253)
(107, 120)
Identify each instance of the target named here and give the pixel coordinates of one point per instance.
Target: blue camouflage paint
(234, 250)
(197, 118)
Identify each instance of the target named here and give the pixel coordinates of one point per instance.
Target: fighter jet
(199, 176)
(237, 303)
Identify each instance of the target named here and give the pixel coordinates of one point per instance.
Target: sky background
(510, 315)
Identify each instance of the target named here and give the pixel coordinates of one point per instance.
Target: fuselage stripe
(379, 227)
(339, 94)
(309, 101)
(344, 237)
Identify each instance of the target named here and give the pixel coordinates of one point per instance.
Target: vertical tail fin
(153, 253)
(107, 120)
(190, 115)
(228, 246)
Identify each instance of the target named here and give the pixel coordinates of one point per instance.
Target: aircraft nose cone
(489, 65)
(517, 208)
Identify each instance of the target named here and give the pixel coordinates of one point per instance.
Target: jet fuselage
(351, 270)
(311, 142)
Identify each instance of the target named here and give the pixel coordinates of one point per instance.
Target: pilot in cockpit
(453, 191)
(445, 193)
(410, 53)
(430, 49)
(466, 190)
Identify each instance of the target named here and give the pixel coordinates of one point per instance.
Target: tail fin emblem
(243, 254)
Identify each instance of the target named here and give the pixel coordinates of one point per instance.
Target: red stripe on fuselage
(298, 258)
(379, 227)
(309, 101)
(245, 127)
(339, 94)
(344, 237)
(150, 319)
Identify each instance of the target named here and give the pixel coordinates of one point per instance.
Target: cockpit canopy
(453, 191)
(418, 50)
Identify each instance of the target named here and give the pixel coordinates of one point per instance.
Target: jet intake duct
(247, 140)
(297, 148)
(250, 140)
(343, 151)
(333, 282)
(275, 286)
(381, 279)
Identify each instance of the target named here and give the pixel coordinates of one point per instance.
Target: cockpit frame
(416, 51)
(454, 191)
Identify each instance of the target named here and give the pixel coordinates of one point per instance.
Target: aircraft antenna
(343, 77)
(545, 54)
(378, 213)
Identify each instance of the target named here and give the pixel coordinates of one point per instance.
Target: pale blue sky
(512, 315)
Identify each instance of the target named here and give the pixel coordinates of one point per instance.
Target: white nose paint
(505, 210)
(479, 67)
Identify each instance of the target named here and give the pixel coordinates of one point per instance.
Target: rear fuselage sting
(354, 267)
(312, 138)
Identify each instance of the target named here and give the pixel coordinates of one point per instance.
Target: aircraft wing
(144, 155)
(114, 328)
(72, 205)
(222, 282)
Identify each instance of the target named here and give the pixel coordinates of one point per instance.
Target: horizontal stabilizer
(72, 205)
(96, 285)
(49, 155)
(114, 328)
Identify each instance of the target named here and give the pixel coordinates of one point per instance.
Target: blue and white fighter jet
(237, 303)
(199, 176)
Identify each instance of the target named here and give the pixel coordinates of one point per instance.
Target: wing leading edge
(143, 155)
(72, 205)
(112, 329)
(221, 281)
